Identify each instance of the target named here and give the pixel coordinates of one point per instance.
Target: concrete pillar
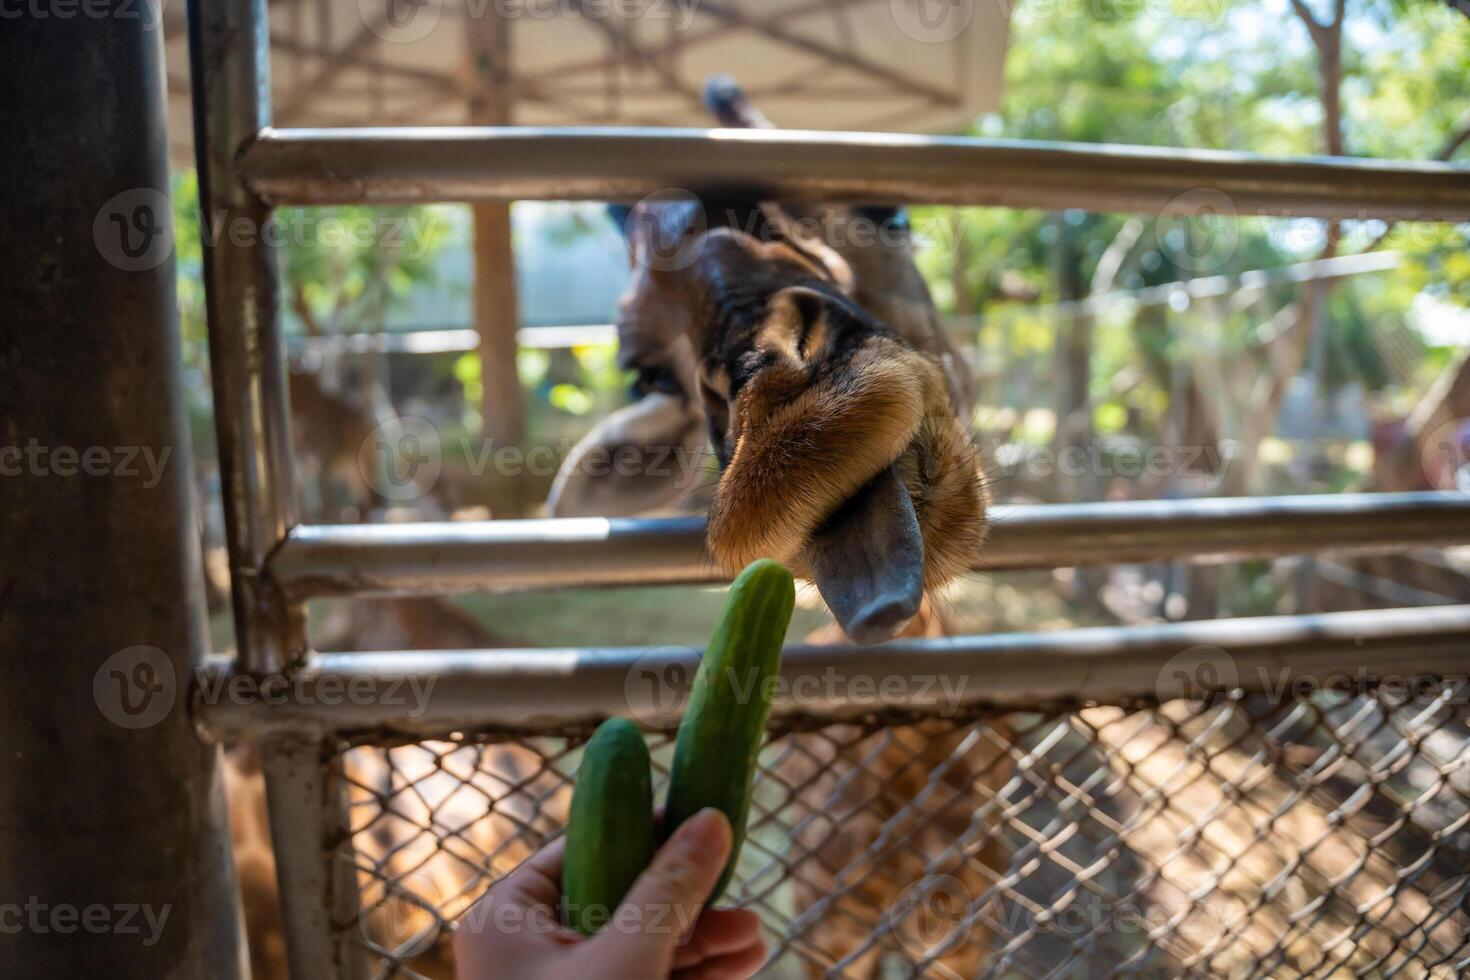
(114, 852)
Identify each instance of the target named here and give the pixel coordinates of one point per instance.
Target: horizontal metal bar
(450, 340)
(327, 166)
(423, 694)
(445, 340)
(509, 556)
(1200, 287)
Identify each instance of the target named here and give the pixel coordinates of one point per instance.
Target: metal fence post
(231, 79)
(318, 882)
(113, 845)
(230, 60)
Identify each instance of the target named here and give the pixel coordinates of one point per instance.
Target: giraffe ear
(727, 102)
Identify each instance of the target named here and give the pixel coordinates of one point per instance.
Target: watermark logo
(1196, 674)
(657, 685)
(401, 458)
(667, 229)
(1445, 456)
(931, 917)
(1197, 229)
(932, 21)
(406, 920)
(135, 688)
(134, 230)
(400, 21)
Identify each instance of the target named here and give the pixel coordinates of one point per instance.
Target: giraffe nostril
(883, 618)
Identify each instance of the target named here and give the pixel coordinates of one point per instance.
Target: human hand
(660, 931)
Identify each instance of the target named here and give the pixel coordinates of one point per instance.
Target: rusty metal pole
(114, 854)
(230, 74)
(230, 67)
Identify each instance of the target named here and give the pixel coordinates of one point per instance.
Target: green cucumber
(725, 721)
(610, 829)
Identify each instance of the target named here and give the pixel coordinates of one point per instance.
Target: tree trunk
(1072, 360)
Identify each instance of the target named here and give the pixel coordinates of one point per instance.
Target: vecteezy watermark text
(657, 685)
(138, 687)
(98, 918)
(402, 459)
(1201, 672)
(402, 917)
(126, 462)
(330, 690)
(651, 918)
(938, 914)
(134, 229)
(148, 11)
(1117, 459)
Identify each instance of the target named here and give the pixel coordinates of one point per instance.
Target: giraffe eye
(656, 379)
(748, 365)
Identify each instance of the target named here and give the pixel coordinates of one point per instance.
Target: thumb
(663, 904)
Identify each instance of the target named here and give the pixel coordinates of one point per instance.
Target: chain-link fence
(1317, 833)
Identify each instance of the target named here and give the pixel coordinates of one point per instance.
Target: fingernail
(705, 831)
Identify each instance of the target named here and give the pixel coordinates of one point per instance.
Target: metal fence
(1066, 816)
(1245, 836)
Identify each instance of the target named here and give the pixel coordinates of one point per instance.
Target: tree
(1375, 77)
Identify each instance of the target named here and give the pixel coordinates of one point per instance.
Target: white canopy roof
(907, 65)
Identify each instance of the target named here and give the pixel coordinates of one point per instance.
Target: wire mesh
(1320, 833)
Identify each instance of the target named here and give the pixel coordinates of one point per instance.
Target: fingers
(733, 966)
(685, 869)
(521, 908)
(719, 932)
(665, 901)
(538, 879)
